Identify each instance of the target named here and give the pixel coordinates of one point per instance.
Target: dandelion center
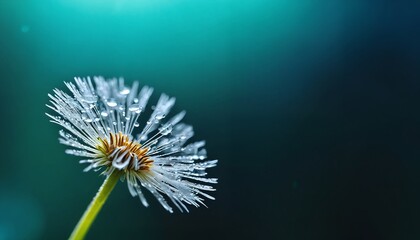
(125, 153)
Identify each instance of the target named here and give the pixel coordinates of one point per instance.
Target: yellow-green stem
(95, 206)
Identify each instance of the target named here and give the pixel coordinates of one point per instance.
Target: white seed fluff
(99, 120)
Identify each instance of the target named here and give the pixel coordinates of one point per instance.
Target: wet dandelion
(99, 122)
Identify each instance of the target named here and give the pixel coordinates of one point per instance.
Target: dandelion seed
(99, 120)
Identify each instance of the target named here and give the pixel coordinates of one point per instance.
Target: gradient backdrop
(310, 106)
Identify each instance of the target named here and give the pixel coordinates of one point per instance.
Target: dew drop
(136, 124)
(160, 116)
(135, 100)
(104, 114)
(112, 103)
(125, 91)
(89, 98)
(134, 108)
(165, 130)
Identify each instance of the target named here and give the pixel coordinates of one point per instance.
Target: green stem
(95, 206)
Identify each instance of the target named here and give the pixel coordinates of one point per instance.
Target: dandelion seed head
(99, 119)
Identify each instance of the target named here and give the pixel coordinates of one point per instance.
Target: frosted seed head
(98, 120)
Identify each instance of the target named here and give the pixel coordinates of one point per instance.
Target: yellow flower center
(127, 148)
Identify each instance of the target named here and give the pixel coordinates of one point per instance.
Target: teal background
(310, 106)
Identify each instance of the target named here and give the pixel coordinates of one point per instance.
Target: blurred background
(310, 106)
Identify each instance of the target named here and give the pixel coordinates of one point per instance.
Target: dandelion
(99, 123)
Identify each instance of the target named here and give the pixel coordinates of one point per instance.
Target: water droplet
(160, 116)
(135, 100)
(104, 114)
(88, 120)
(125, 91)
(165, 130)
(87, 107)
(112, 103)
(136, 124)
(134, 108)
(89, 98)
(114, 123)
